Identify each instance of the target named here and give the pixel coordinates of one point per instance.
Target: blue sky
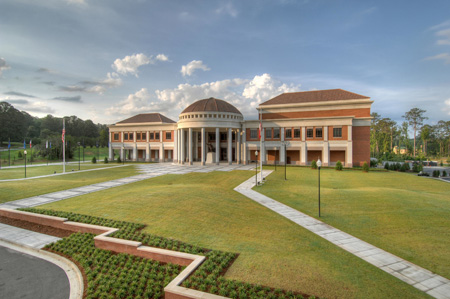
(107, 59)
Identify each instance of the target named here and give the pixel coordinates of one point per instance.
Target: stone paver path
(25, 237)
(147, 171)
(433, 284)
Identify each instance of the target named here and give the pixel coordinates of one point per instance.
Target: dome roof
(211, 104)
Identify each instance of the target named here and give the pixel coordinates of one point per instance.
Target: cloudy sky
(110, 59)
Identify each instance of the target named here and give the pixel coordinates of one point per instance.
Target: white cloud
(447, 106)
(77, 2)
(227, 8)
(188, 69)
(3, 65)
(445, 34)
(162, 57)
(135, 103)
(442, 56)
(130, 64)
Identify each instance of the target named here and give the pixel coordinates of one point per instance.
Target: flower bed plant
(111, 275)
(207, 278)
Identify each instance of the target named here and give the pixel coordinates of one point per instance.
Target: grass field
(398, 212)
(43, 169)
(203, 209)
(22, 189)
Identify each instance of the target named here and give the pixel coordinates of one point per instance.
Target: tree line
(427, 140)
(19, 126)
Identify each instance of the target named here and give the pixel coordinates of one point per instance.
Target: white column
(190, 146)
(175, 146)
(217, 146)
(350, 134)
(230, 147)
(326, 154)
(135, 152)
(161, 152)
(325, 133)
(244, 145)
(281, 149)
(203, 146)
(239, 147)
(282, 159)
(111, 151)
(303, 154)
(263, 147)
(183, 146)
(147, 152)
(349, 154)
(303, 133)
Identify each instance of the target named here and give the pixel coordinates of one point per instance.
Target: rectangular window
(125, 136)
(276, 133)
(296, 133)
(318, 132)
(116, 136)
(138, 136)
(223, 136)
(288, 133)
(168, 135)
(157, 136)
(309, 133)
(211, 137)
(268, 133)
(144, 137)
(152, 136)
(337, 132)
(253, 133)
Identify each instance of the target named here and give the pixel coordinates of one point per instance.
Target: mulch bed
(48, 230)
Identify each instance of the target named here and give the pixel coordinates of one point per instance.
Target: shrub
(373, 163)
(386, 166)
(338, 165)
(19, 154)
(441, 164)
(365, 167)
(407, 167)
(314, 164)
(403, 167)
(94, 160)
(436, 173)
(118, 160)
(444, 173)
(105, 160)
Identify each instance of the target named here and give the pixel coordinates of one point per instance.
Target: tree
(425, 134)
(13, 123)
(415, 119)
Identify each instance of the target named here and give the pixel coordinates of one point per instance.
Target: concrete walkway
(424, 280)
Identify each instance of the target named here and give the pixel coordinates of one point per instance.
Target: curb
(71, 270)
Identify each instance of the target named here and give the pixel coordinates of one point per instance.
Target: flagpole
(9, 152)
(261, 145)
(64, 145)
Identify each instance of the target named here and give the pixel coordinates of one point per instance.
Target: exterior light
(319, 164)
(256, 168)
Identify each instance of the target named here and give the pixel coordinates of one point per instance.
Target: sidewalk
(422, 279)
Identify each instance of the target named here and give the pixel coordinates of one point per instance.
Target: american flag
(63, 133)
(260, 129)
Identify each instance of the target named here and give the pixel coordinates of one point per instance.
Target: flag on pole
(30, 143)
(260, 129)
(46, 144)
(50, 144)
(9, 143)
(24, 145)
(63, 132)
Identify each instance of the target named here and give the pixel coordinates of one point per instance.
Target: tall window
(116, 136)
(296, 133)
(319, 133)
(268, 133)
(157, 136)
(288, 133)
(276, 133)
(144, 137)
(211, 136)
(125, 136)
(138, 136)
(152, 136)
(337, 132)
(309, 133)
(168, 135)
(223, 136)
(253, 133)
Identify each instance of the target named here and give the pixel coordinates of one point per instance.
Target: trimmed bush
(105, 160)
(94, 160)
(386, 166)
(444, 173)
(436, 173)
(365, 167)
(119, 160)
(403, 167)
(373, 163)
(338, 165)
(313, 164)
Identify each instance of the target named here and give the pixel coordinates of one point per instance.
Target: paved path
(147, 171)
(433, 284)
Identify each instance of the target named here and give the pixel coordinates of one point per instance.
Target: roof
(211, 104)
(314, 96)
(147, 118)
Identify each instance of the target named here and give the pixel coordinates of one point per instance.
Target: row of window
(141, 136)
(210, 116)
(294, 133)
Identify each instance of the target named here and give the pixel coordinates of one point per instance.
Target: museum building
(298, 127)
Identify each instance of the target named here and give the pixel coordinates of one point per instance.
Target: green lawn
(401, 213)
(22, 189)
(43, 169)
(203, 209)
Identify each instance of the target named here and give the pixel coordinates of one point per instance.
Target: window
(268, 133)
(211, 136)
(152, 136)
(223, 136)
(276, 133)
(157, 136)
(309, 133)
(288, 133)
(138, 136)
(168, 135)
(144, 137)
(296, 133)
(337, 132)
(253, 133)
(318, 132)
(125, 136)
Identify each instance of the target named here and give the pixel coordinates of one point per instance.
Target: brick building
(297, 128)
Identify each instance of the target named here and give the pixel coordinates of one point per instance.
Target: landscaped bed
(110, 275)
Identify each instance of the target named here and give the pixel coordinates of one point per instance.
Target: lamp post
(123, 153)
(319, 164)
(78, 156)
(25, 154)
(276, 152)
(256, 169)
